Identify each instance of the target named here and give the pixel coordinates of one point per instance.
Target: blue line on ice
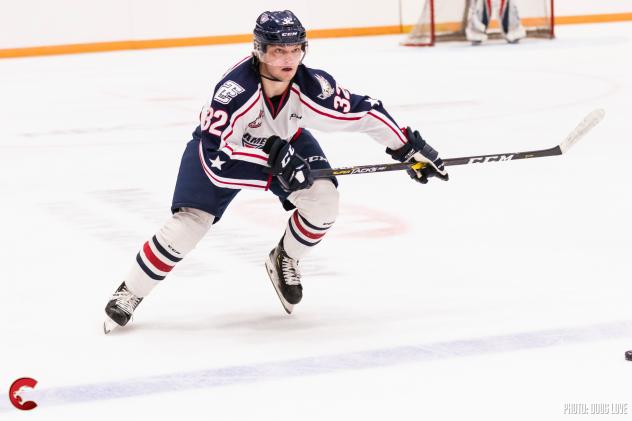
(219, 377)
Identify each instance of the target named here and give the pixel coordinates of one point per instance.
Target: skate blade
(109, 325)
(286, 306)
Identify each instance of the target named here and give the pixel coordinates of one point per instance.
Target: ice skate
(514, 37)
(285, 277)
(120, 308)
(475, 37)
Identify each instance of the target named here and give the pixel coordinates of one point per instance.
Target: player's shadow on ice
(296, 322)
(233, 323)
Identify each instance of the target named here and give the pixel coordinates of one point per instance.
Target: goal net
(445, 20)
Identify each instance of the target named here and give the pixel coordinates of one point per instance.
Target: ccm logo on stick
(494, 158)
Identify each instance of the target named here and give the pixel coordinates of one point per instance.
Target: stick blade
(590, 121)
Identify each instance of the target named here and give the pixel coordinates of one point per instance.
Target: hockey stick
(590, 121)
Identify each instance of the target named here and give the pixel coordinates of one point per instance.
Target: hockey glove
(291, 169)
(417, 150)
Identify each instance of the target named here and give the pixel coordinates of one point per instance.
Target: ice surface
(503, 294)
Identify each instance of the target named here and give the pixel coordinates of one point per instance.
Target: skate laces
(126, 300)
(289, 267)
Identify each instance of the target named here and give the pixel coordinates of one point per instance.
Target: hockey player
(253, 135)
(480, 14)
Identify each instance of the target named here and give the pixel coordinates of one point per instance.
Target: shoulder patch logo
(227, 92)
(325, 86)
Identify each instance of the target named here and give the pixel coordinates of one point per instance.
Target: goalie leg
(478, 20)
(510, 22)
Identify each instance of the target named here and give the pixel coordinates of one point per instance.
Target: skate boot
(120, 308)
(285, 277)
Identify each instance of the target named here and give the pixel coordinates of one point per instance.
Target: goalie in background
(480, 14)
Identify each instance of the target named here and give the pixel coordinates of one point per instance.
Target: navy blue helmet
(278, 27)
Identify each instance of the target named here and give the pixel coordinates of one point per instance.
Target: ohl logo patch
(16, 390)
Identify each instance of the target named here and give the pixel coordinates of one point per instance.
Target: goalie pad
(478, 20)
(480, 14)
(510, 22)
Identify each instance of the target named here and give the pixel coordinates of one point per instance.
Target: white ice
(502, 294)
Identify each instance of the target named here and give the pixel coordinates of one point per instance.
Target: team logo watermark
(20, 387)
(325, 87)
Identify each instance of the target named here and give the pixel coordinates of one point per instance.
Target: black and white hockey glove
(291, 169)
(417, 150)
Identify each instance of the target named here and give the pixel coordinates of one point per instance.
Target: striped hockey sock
(155, 260)
(163, 251)
(153, 263)
(301, 235)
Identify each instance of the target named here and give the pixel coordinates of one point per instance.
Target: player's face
(281, 61)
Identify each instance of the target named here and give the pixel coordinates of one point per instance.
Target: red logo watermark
(15, 393)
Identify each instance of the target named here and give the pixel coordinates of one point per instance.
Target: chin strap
(270, 78)
(255, 66)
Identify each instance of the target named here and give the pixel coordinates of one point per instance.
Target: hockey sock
(317, 208)
(163, 251)
(301, 235)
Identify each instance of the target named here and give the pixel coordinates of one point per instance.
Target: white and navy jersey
(239, 117)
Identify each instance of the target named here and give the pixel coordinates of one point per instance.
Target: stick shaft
(587, 123)
(466, 160)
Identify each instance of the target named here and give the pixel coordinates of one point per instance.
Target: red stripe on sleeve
(399, 135)
(297, 134)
